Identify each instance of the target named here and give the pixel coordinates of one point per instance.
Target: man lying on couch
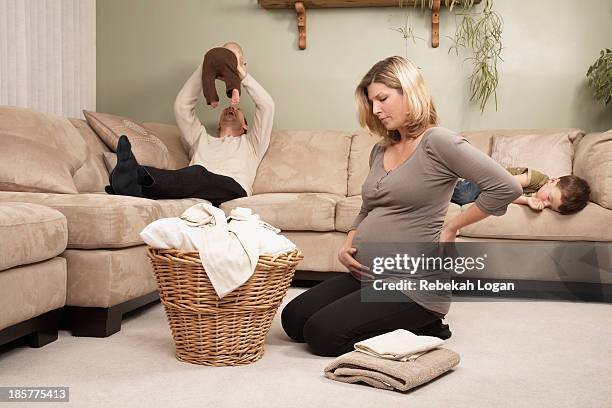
(221, 168)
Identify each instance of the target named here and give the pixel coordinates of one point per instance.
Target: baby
(222, 63)
(565, 195)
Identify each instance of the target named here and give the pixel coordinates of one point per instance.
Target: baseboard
(311, 278)
(98, 321)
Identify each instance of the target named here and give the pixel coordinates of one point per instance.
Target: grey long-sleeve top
(408, 204)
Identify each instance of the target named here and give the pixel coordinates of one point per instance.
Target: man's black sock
(124, 177)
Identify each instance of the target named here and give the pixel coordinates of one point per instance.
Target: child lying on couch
(566, 195)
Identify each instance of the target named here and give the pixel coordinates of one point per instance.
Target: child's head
(566, 195)
(236, 49)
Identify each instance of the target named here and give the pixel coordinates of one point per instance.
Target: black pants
(331, 317)
(193, 181)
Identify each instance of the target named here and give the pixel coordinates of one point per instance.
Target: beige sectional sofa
(308, 185)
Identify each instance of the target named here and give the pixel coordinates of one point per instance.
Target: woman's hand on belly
(346, 257)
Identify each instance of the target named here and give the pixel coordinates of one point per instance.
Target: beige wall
(147, 48)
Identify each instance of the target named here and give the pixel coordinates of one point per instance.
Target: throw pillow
(110, 159)
(26, 165)
(147, 148)
(551, 154)
(593, 162)
(50, 130)
(286, 169)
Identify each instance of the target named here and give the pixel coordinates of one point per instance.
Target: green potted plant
(599, 76)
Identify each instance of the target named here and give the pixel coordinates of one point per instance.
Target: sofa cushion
(97, 220)
(551, 154)
(346, 211)
(26, 165)
(30, 233)
(304, 162)
(31, 290)
(521, 222)
(320, 250)
(108, 277)
(480, 139)
(174, 208)
(348, 208)
(53, 131)
(147, 148)
(359, 161)
(291, 211)
(92, 176)
(593, 162)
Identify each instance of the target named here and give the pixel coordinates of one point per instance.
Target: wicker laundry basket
(219, 332)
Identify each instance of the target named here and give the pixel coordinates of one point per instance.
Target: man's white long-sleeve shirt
(235, 157)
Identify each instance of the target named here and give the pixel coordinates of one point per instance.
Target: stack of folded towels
(229, 248)
(398, 360)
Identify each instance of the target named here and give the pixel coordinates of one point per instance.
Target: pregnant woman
(413, 171)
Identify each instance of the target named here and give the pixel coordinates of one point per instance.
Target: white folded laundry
(400, 345)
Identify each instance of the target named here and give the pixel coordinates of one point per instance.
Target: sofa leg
(46, 333)
(91, 321)
(36, 332)
(99, 321)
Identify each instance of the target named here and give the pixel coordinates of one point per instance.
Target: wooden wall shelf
(301, 6)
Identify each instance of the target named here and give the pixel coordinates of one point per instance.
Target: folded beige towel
(387, 374)
(399, 344)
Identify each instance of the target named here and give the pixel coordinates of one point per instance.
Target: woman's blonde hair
(400, 74)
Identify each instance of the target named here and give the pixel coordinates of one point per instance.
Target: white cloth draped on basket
(229, 251)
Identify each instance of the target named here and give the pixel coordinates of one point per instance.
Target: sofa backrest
(482, 139)
(363, 142)
(359, 161)
(301, 161)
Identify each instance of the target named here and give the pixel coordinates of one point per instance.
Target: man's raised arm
(259, 131)
(184, 109)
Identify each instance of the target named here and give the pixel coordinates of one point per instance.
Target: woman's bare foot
(235, 97)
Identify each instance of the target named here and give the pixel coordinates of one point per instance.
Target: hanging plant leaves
(481, 34)
(599, 76)
(478, 33)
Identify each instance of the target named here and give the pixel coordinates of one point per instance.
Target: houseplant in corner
(599, 76)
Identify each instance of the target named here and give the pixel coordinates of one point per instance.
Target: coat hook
(435, 24)
(301, 22)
